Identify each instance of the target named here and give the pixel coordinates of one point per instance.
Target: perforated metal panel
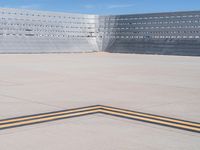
(159, 33)
(26, 31)
(36, 32)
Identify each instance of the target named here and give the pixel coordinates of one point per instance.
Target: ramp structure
(27, 31)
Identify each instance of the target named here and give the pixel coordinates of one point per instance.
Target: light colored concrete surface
(99, 132)
(165, 85)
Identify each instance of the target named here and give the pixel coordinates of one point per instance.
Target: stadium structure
(27, 31)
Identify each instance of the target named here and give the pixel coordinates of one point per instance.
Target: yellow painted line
(47, 119)
(49, 114)
(152, 116)
(152, 120)
(28, 120)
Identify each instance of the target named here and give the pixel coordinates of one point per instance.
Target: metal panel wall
(159, 33)
(26, 31)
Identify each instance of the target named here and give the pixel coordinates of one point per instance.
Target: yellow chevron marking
(39, 118)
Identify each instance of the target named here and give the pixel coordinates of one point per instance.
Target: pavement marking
(52, 116)
(178, 121)
(49, 114)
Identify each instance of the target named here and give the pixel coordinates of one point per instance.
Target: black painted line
(175, 119)
(48, 113)
(148, 117)
(52, 116)
(151, 122)
(194, 129)
(26, 124)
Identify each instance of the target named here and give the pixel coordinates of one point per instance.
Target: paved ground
(164, 85)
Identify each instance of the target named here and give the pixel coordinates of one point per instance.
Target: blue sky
(104, 6)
